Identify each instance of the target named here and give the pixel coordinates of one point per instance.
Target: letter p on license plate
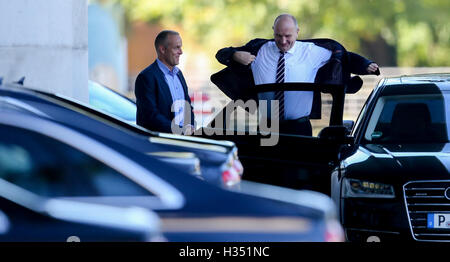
(438, 220)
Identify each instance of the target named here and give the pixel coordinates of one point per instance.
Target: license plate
(438, 220)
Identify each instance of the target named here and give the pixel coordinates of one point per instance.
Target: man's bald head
(285, 31)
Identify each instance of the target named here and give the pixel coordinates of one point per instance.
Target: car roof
(433, 83)
(419, 79)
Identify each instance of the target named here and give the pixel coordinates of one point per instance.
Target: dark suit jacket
(237, 82)
(154, 101)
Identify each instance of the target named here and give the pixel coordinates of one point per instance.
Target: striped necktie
(279, 95)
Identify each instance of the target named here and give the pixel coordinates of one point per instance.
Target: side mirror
(338, 134)
(354, 85)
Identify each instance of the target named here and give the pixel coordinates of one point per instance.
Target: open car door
(295, 161)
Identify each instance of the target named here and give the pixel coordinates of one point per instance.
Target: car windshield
(107, 100)
(410, 119)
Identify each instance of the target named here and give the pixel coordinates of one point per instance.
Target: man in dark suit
(162, 98)
(286, 59)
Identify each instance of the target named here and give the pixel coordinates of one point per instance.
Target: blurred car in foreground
(54, 161)
(394, 182)
(214, 161)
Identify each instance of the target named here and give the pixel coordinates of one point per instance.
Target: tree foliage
(392, 32)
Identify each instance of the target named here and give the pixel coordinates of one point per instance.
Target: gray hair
(283, 16)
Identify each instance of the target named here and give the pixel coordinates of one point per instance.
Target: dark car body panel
(415, 162)
(26, 225)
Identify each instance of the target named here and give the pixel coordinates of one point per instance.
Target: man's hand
(243, 57)
(372, 68)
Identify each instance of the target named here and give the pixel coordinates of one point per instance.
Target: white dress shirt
(302, 62)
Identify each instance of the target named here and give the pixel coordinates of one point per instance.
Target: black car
(394, 182)
(54, 161)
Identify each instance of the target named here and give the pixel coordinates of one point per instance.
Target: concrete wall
(47, 42)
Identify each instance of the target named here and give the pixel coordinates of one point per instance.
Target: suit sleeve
(358, 64)
(225, 55)
(147, 114)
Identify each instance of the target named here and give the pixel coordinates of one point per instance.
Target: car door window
(50, 168)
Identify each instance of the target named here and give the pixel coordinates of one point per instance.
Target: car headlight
(359, 188)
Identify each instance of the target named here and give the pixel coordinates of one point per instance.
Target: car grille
(423, 198)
